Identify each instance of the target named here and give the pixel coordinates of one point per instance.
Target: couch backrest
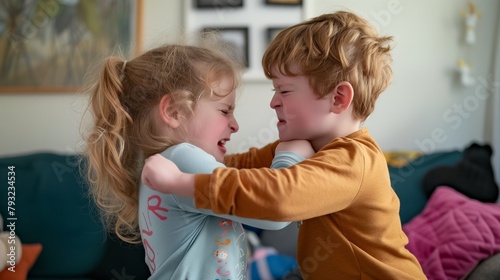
(53, 208)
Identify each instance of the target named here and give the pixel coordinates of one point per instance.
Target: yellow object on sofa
(401, 158)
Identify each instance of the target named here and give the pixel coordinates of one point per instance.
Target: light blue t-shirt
(183, 242)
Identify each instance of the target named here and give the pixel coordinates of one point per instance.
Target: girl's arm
(161, 174)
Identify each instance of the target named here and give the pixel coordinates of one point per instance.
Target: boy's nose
(275, 101)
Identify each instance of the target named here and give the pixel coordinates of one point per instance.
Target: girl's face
(301, 114)
(213, 120)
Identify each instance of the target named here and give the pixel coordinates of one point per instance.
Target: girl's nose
(233, 125)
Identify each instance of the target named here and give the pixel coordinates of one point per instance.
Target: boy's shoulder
(361, 142)
(361, 135)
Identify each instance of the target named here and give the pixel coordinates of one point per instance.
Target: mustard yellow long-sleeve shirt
(351, 227)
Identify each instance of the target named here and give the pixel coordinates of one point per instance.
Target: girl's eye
(224, 112)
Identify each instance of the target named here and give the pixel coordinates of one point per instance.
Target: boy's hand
(161, 174)
(301, 147)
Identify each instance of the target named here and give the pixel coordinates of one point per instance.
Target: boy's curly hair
(332, 48)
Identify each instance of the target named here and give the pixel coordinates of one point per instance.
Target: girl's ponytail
(113, 158)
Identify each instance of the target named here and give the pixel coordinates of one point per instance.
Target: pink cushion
(453, 233)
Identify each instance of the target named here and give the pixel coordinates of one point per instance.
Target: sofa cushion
(453, 233)
(52, 208)
(30, 253)
(407, 181)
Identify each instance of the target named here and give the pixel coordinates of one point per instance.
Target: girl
(179, 101)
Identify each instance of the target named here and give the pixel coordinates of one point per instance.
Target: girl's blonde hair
(332, 48)
(124, 131)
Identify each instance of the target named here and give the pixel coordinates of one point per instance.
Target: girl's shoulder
(182, 148)
(191, 159)
(185, 151)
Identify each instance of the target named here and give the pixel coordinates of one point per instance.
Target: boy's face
(213, 121)
(301, 114)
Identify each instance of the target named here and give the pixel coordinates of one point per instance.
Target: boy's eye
(281, 91)
(224, 112)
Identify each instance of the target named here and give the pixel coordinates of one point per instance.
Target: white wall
(426, 108)
(422, 102)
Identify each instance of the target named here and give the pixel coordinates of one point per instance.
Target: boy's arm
(327, 182)
(192, 159)
(163, 175)
(259, 192)
(254, 158)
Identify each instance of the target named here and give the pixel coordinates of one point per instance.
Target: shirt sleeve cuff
(285, 159)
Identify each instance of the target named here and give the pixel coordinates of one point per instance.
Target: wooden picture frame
(53, 44)
(284, 2)
(211, 4)
(235, 41)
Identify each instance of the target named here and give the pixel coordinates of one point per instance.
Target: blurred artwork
(46, 45)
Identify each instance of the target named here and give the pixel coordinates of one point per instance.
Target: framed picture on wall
(201, 4)
(234, 41)
(50, 45)
(284, 2)
(254, 16)
(271, 33)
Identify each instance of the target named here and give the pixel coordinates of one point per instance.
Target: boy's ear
(169, 117)
(342, 96)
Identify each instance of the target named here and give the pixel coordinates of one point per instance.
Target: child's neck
(341, 130)
(348, 130)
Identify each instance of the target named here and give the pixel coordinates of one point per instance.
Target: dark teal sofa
(53, 208)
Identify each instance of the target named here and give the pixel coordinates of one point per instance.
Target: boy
(327, 73)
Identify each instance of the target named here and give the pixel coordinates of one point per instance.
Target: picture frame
(234, 39)
(255, 15)
(211, 4)
(55, 43)
(284, 2)
(271, 33)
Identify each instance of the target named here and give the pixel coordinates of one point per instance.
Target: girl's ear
(342, 96)
(168, 116)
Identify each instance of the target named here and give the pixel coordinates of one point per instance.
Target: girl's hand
(301, 147)
(162, 175)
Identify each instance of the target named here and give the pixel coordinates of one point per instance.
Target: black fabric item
(122, 261)
(472, 176)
